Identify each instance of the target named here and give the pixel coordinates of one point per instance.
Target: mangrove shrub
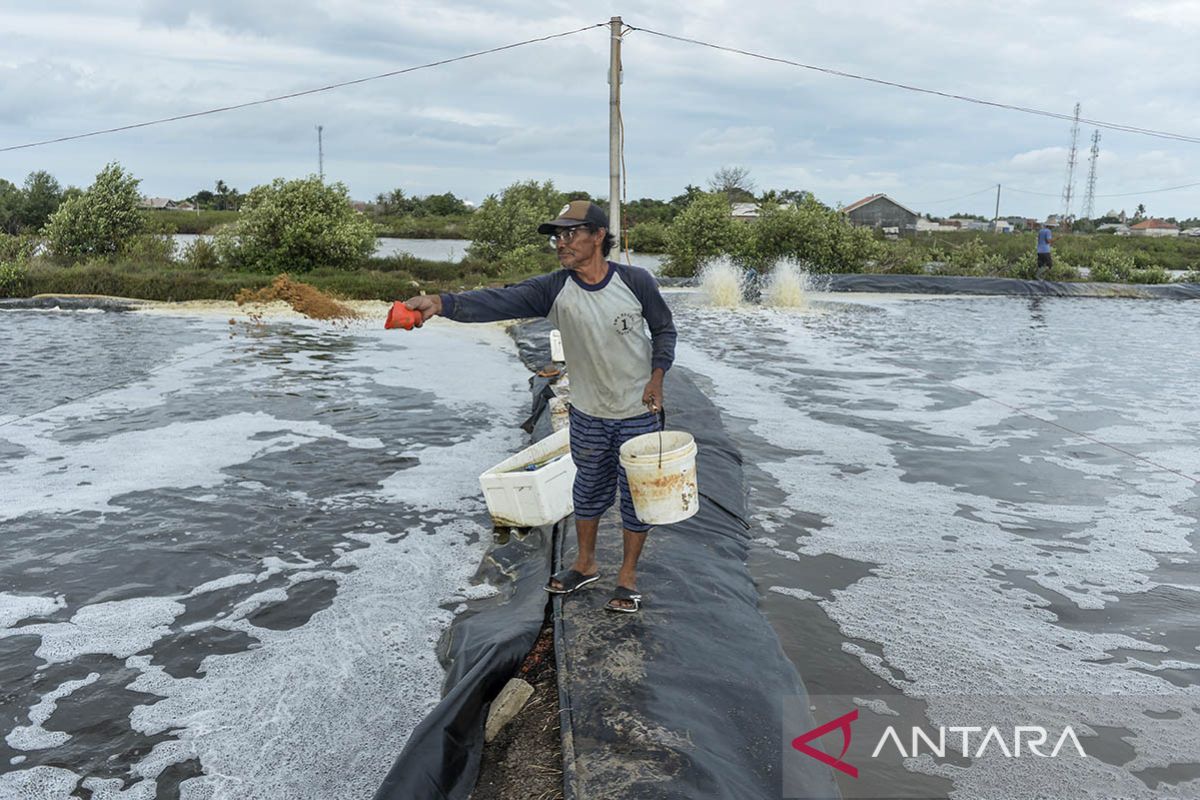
(505, 227)
(297, 226)
(702, 232)
(103, 220)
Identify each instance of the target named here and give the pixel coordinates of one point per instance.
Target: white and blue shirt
(615, 332)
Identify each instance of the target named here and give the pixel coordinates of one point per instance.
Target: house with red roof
(1154, 227)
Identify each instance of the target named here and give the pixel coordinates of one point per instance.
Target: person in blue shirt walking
(1044, 260)
(619, 340)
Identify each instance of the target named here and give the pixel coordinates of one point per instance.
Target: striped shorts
(595, 446)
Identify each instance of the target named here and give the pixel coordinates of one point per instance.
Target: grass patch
(410, 227)
(188, 221)
(384, 279)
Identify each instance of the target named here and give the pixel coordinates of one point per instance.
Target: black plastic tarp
(953, 284)
(70, 303)
(684, 699)
(481, 652)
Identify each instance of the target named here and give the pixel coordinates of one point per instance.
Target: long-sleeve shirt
(614, 333)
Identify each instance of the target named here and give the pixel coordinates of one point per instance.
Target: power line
(951, 199)
(302, 93)
(1024, 109)
(1118, 194)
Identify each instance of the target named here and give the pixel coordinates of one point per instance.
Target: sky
(541, 111)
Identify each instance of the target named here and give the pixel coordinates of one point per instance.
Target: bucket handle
(662, 426)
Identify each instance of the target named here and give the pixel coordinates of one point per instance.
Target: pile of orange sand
(305, 299)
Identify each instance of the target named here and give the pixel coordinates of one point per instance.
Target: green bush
(526, 258)
(1152, 275)
(12, 279)
(201, 254)
(17, 248)
(647, 237)
(296, 226)
(150, 249)
(508, 223)
(1111, 265)
(102, 221)
(971, 258)
(810, 231)
(702, 232)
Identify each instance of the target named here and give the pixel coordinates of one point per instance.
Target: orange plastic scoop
(401, 316)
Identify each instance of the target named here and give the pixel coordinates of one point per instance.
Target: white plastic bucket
(661, 469)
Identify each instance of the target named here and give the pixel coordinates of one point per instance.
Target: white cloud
(540, 111)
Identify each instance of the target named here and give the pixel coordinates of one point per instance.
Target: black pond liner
(952, 284)
(1011, 287)
(480, 652)
(69, 303)
(683, 700)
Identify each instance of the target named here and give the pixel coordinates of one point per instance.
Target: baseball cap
(576, 212)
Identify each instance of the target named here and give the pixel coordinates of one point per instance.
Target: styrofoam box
(526, 498)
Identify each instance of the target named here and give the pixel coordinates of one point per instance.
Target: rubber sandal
(628, 595)
(571, 580)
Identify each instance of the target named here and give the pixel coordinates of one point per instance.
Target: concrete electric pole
(614, 133)
(320, 154)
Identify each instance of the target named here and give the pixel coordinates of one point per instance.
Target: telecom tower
(1069, 189)
(1090, 197)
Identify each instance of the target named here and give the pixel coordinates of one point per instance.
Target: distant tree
(1140, 213)
(203, 199)
(11, 200)
(646, 210)
(226, 199)
(42, 197)
(101, 221)
(734, 183)
(577, 194)
(681, 201)
(439, 205)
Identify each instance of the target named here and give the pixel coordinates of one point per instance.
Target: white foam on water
(789, 591)
(14, 608)
(34, 736)
(323, 709)
(38, 783)
(941, 611)
(118, 628)
(239, 579)
(180, 455)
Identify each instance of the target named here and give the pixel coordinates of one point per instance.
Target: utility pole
(1089, 197)
(320, 154)
(1069, 188)
(996, 218)
(614, 133)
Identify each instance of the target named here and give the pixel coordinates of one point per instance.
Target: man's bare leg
(627, 577)
(585, 558)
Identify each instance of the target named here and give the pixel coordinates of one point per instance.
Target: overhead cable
(1180, 137)
(1008, 188)
(991, 188)
(302, 93)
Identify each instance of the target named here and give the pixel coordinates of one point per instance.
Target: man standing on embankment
(1044, 260)
(603, 310)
